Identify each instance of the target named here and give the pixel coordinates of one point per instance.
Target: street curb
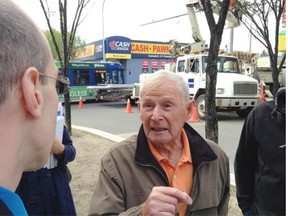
(118, 139)
(103, 134)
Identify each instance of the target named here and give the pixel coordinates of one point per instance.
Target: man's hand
(164, 201)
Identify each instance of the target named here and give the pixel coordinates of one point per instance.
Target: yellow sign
(117, 56)
(282, 41)
(87, 51)
(150, 48)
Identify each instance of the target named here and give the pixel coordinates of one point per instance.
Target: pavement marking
(118, 139)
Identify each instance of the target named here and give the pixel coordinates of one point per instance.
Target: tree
(262, 18)
(78, 43)
(67, 42)
(216, 32)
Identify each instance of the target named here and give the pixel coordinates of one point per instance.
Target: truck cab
(234, 91)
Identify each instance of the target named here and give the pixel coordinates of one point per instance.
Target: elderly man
(28, 102)
(168, 168)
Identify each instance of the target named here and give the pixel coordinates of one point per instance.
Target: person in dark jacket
(46, 191)
(167, 168)
(260, 159)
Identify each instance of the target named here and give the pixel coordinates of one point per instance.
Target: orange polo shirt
(181, 176)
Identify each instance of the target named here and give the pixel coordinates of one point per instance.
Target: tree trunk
(216, 31)
(211, 126)
(68, 113)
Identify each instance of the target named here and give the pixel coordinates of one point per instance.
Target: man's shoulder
(127, 143)
(263, 109)
(125, 147)
(217, 149)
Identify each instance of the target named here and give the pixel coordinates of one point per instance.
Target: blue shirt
(10, 203)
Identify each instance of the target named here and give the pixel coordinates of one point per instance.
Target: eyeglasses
(62, 84)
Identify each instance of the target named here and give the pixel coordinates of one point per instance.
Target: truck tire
(200, 103)
(243, 113)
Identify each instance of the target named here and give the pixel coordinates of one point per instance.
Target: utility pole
(103, 35)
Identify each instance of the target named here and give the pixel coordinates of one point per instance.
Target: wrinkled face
(163, 112)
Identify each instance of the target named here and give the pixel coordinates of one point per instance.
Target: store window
(145, 65)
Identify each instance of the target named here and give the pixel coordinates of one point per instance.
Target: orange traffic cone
(80, 105)
(128, 107)
(194, 117)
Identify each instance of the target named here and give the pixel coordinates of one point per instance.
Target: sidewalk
(91, 145)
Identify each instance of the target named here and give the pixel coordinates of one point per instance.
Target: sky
(125, 17)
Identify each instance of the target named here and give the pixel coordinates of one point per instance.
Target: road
(111, 117)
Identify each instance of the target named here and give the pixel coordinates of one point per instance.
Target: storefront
(136, 56)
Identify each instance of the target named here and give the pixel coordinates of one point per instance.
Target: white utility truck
(234, 91)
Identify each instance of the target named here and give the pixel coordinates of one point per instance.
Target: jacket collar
(200, 150)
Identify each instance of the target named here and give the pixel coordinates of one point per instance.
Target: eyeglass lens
(61, 87)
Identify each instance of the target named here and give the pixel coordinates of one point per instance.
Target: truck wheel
(243, 113)
(200, 102)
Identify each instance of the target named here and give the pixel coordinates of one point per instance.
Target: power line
(161, 20)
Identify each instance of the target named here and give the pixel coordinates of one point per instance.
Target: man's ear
(189, 108)
(138, 105)
(32, 98)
